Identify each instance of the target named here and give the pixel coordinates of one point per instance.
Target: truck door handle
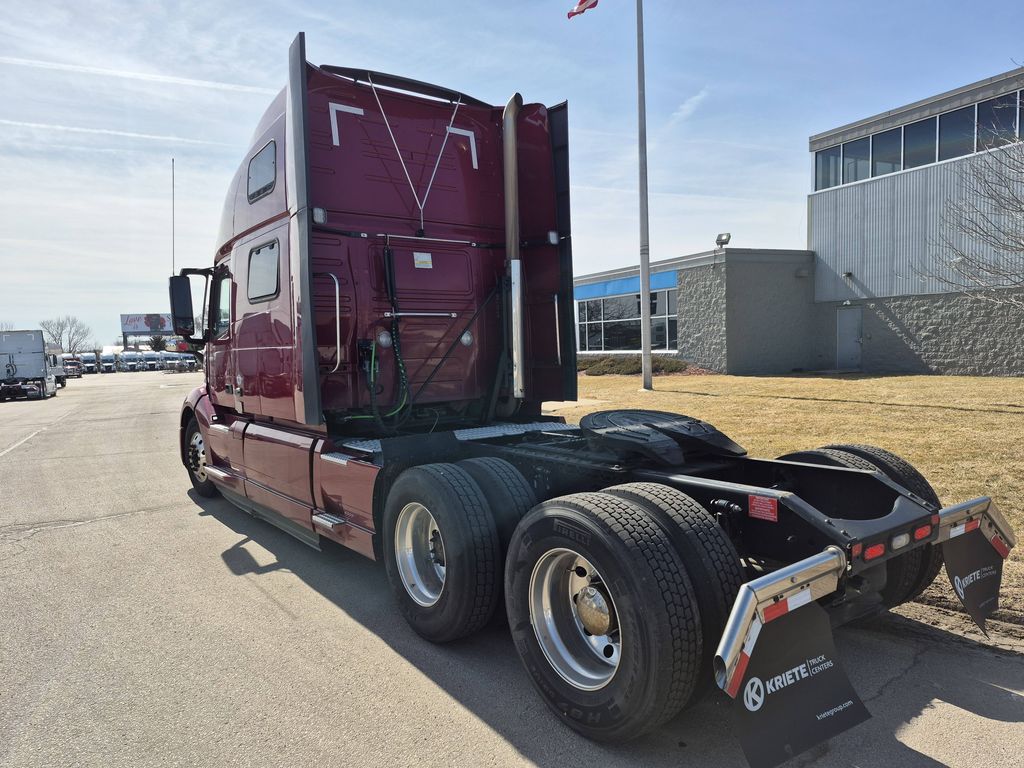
(337, 317)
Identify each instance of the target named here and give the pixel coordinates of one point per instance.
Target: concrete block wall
(702, 316)
(939, 333)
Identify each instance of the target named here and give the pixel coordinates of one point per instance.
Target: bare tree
(980, 248)
(6, 326)
(67, 332)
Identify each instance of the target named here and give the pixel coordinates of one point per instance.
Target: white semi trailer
(26, 368)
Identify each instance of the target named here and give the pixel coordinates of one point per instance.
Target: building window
(856, 160)
(612, 324)
(262, 172)
(263, 272)
(956, 133)
(887, 152)
(919, 143)
(996, 121)
(826, 167)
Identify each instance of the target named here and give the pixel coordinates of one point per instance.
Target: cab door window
(221, 320)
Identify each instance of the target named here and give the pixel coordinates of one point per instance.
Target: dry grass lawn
(963, 433)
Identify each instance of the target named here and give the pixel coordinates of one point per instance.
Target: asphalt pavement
(142, 625)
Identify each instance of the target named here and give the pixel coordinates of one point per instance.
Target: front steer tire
(195, 458)
(456, 600)
(652, 599)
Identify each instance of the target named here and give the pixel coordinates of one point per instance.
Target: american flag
(581, 6)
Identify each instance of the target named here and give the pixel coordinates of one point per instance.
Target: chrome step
(328, 520)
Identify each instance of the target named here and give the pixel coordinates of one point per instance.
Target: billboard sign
(147, 324)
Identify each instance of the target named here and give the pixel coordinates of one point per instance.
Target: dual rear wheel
(615, 600)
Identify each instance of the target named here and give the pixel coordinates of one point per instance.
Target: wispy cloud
(144, 76)
(685, 110)
(109, 132)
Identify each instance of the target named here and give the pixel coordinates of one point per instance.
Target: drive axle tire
(508, 494)
(916, 570)
(603, 615)
(710, 559)
(907, 575)
(441, 551)
(195, 460)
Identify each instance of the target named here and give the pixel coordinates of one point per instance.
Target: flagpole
(645, 250)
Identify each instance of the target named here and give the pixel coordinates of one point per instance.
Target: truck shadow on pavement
(909, 681)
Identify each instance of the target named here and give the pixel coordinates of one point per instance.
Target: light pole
(645, 248)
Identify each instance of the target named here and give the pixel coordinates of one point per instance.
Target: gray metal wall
(887, 232)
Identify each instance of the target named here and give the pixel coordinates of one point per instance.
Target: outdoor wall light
(723, 239)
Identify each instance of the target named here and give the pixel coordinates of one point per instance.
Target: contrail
(145, 76)
(109, 132)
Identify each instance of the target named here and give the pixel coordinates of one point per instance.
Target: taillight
(874, 551)
(922, 532)
(856, 549)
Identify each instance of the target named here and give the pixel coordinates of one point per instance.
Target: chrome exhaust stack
(515, 267)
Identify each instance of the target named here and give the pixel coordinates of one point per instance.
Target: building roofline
(997, 85)
(715, 255)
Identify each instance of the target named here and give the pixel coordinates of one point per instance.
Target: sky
(98, 97)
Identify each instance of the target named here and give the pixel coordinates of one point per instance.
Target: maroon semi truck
(388, 308)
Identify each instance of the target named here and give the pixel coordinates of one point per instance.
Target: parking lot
(144, 625)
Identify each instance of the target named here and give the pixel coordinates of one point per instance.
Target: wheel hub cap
(419, 554)
(574, 619)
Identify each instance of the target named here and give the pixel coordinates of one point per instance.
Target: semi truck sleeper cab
(388, 307)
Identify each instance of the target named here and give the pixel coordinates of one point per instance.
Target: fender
(197, 404)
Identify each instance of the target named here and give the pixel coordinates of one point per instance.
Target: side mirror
(182, 319)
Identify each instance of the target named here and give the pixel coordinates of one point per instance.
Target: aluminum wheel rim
(562, 584)
(197, 457)
(419, 554)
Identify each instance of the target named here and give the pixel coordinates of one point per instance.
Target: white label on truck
(422, 260)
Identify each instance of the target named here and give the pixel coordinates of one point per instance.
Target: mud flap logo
(975, 569)
(795, 693)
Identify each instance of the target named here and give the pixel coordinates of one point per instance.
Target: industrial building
(870, 292)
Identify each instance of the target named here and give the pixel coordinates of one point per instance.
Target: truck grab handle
(337, 317)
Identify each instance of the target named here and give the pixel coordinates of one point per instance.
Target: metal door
(849, 337)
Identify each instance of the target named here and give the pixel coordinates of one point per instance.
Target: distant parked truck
(132, 361)
(152, 361)
(89, 364)
(26, 368)
(108, 363)
(72, 366)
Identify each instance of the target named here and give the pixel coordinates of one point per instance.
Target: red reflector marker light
(875, 550)
(856, 550)
(922, 533)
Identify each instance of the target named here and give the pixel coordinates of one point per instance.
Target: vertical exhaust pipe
(515, 267)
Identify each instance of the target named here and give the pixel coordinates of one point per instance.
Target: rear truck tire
(707, 553)
(921, 566)
(441, 551)
(509, 497)
(195, 460)
(507, 492)
(603, 615)
(907, 575)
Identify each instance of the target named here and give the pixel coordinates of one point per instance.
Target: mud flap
(792, 692)
(975, 540)
(974, 566)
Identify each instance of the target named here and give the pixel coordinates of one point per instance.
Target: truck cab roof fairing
(307, 405)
